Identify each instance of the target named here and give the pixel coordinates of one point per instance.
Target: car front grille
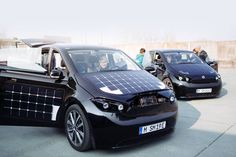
(143, 105)
(148, 100)
(201, 80)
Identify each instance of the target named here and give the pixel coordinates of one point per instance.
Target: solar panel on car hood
(125, 82)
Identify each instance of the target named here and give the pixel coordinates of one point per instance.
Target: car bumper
(112, 130)
(188, 90)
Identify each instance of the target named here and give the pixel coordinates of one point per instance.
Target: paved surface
(206, 127)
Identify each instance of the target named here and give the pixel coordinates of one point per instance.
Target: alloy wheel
(168, 82)
(75, 128)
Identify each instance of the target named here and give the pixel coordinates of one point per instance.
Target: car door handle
(13, 79)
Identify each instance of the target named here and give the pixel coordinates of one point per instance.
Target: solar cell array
(126, 82)
(31, 102)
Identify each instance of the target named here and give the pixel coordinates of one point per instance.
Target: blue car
(183, 72)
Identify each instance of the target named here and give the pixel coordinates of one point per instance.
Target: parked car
(183, 72)
(98, 107)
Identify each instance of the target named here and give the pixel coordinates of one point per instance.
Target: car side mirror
(56, 74)
(149, 68)
(157, 62)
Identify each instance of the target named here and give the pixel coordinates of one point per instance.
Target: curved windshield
(88, 61)
(182, 58)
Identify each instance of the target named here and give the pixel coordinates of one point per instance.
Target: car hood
(118, 83)
(192, 69)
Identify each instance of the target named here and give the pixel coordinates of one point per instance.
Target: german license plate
(151, 128)
(205, 90)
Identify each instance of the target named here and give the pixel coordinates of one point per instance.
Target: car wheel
(77, 128)
(168, 82)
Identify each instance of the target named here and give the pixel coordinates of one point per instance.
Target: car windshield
(182, 58)
(88, 61)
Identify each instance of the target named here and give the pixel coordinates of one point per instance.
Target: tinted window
(87, 61)
(182, 57)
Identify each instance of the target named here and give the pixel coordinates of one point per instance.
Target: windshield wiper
(185, 63)
(113, 70)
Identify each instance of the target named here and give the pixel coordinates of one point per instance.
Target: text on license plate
(153, 127)
(205, 90)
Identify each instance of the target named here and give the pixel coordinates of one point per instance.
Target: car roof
(34, 43)
(70, 46)
(170, 50)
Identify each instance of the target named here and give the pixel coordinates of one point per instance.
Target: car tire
(168, 83)
(77, 128)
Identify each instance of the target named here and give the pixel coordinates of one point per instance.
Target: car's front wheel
(77, 128)
(168, 82)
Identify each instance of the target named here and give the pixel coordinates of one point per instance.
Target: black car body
(184, 72)
(97, 108)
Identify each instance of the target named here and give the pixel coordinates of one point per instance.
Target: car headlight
(218, 77)
(108, 105)
(187, 79)
(183, 78)
(180, 78)
(172, 98)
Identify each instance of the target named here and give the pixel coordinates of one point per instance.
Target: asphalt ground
(205, 127)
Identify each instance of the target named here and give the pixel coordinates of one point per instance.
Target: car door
(30, 96)
(159, 64)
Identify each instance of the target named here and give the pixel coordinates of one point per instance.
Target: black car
(101, 96)
(183, 72)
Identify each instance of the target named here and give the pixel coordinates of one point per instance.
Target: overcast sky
(120, 21)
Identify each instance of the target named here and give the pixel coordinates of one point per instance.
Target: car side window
(58, 63)
(45, 58)
(158, 58)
